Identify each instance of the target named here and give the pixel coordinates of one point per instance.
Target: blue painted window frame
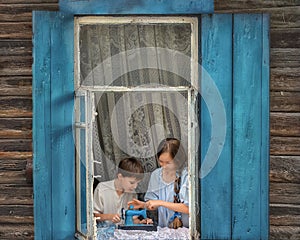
(53, 145)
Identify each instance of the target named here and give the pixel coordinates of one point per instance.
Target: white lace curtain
(139, 116)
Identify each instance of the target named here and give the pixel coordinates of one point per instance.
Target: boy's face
(129, 184)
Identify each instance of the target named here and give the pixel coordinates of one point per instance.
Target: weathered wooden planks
(285, 124)
(13, 106)
(137, 7)
(230, 5)
(16, 214)
(13, 164)
(16, 30)
(16, 231)
(285, 58)
(285, 193)
(247, 129)
(15, 128)
(284, 232)
(14, 194)
(15, 85)
(12, 177)
(217, 50)
(285, 38)
(285, 79)
(285, 169)
(285, 101)
(15, 48)
(285, 146)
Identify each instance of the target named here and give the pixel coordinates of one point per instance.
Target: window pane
(133, 124)
(135, 54)
(80, 135)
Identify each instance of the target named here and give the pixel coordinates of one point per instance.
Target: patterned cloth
(110, 233)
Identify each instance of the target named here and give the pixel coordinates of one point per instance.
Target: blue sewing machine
(128, 215)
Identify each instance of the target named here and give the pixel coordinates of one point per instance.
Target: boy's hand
(136, 220)
(136, 203)
(147, 221)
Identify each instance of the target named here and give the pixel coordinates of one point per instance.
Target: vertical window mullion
(89, 161)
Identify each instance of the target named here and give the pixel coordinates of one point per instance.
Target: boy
(111, 196)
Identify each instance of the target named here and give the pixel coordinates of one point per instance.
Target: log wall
(16, 194)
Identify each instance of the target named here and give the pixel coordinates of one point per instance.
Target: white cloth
(158, 189)
(106, 199)
(161, 233)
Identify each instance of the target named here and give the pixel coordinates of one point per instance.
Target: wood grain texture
(287, 17)
(285, 124)
(285, 220)
(281, 17)
(13, 164)
(15, 48)
(285, 193)
(13, 177)
(217, 51)
(8, 17)
(16, 85)
(15, 30)
(17, 231)
(15, 128)
(28, 2)
(15, 155)
(16, 214)
(247, 129)
(10, 145)
(285, 38)
(285, 101)
(281, 209)
(23, 7)
(285, 169)
(284, 232)
(14, 194)
(13, 106)
(285, 146)
(285, 79)
(41, 126)
(252, 4)
(62, 145)
(137, 6)
(285, 57)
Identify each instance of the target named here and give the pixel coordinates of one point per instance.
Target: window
(136, 81)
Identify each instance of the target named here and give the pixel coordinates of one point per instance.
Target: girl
(168, 186)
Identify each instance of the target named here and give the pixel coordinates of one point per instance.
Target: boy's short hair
(131, 167)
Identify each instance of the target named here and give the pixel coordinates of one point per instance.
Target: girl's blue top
(160, 190)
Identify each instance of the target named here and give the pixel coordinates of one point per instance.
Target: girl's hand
(136, 203)
(115, 218)
(153, 204)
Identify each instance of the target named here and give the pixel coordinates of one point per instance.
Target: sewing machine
(128, 215)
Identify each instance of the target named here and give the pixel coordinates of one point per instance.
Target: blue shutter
(216, 49)
(53, 144)
(235, 51)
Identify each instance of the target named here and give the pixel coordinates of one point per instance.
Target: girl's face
(128, 184)
(166, 161)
